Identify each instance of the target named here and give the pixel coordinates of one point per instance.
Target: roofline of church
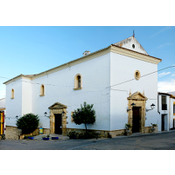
(112, 48)
(137, 52)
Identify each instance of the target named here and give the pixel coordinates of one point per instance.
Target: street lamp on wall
(63, 113)
(133, 104)
(45, 114)
(152, 107)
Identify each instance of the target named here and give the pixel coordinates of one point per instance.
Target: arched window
(12, 94)
(42, 90)
(78, 82)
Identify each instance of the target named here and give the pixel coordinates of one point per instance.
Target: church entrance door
(58, 123)
(136, 119)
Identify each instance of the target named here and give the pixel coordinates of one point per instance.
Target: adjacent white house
(115, 79)
(166, 108)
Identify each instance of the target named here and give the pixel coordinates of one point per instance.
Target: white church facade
(113, 79)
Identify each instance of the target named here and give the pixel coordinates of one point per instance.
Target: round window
(137, 75)
(133, 46)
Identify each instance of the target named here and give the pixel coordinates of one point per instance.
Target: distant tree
(28, 123)
(85, 115)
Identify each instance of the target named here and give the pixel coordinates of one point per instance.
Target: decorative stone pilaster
(64, 122)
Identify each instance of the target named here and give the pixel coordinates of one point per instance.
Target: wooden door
(58, 124)
(135, 119)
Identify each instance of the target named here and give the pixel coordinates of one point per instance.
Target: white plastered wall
(59, 88)
(123, 69)
(13, 106)
(26, 96)
(171, 114)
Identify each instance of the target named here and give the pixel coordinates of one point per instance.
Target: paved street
(163, 141)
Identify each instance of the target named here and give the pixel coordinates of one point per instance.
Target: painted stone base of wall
(107, 134)
(101, 133)
(36, 132)
(148, 129)
(12, 132)
(46, 131)
(15, 133)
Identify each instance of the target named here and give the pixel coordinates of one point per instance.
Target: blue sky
(31, 50)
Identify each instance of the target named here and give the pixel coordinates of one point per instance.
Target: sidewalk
(144, 134)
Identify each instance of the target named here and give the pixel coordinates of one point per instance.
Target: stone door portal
(136, 114)
(58, 118)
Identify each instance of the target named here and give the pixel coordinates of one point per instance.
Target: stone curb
(146, 134)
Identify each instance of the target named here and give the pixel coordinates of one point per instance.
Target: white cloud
(2, 94)
(166, 86)
(163, 74)
(163, 45)
(159, 32)
(173, 75)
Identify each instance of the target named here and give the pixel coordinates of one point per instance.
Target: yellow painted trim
(172, 96)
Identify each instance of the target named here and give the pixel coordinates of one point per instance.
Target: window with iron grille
(164, 104)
